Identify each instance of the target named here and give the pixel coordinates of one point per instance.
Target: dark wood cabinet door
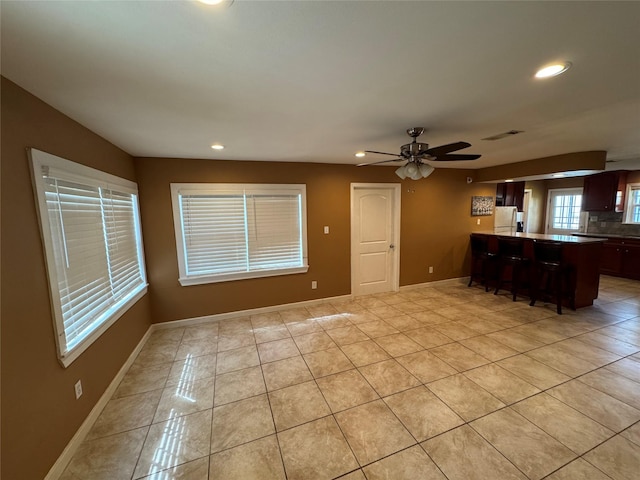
(630, 264)
(501, 194)
(515, 195)
(510, 195)
(611, 260)
(600, 191)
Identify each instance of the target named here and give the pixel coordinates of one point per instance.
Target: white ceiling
(316, 81)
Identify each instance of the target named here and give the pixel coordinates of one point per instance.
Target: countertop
(606, 235)
(543, 236)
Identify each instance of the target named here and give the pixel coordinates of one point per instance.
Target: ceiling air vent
(503, 135)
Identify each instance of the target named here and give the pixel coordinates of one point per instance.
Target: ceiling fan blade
(455, 158)
(381, 161)
(382, 153)
(450, 147)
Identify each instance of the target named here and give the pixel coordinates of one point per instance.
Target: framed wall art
(481, 206)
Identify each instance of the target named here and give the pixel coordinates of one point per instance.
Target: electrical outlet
(326, 229)
(78, 388)
(430, 269)
(478, 222)
(314, 285)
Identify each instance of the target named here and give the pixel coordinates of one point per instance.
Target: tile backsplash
(610, 223)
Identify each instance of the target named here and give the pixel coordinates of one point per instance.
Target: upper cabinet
(510, 194)
(604, 192)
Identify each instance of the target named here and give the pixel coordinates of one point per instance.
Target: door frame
(395, 229)
(528, 192)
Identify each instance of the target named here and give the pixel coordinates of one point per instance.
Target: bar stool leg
(559, 281)
(533, 290)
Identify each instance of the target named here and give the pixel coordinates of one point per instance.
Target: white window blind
(230, 231)
(91, 232)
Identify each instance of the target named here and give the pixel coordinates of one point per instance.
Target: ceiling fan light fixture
(411, 169)
(217, 146)
(360, 154)
(426, 170)
(416, 176)
(553, 70)
(414, 171)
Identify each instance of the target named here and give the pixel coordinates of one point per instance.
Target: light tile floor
(439, 382)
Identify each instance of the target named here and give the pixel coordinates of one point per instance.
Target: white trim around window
(230, 232)
(632, 204)
(90, 227)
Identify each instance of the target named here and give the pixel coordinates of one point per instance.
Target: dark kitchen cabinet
(600, 192)
(621, 258)
(510, 194)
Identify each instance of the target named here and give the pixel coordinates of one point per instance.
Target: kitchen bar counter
(607, 235)
(581, 254)
(543, 236)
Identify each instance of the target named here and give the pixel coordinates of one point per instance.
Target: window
(93, 247)
(233, 231)
(632, 207)
(564, 213)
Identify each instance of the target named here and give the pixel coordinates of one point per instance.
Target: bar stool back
(481, 261)
(510, 258)
(550, 275)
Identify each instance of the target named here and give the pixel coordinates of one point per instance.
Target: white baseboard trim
(437, 283)
(67, 454)
(187, 322)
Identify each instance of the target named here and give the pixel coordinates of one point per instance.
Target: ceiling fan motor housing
(413, 149)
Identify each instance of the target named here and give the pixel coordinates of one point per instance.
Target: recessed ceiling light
(360, 154)
(508, 180)
(553, 70)
(217, 3)
(217, 146)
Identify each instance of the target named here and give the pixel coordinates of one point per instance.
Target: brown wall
(537, 205)
(39, 411)
(435, 227)
(593, 160)
(633, 176)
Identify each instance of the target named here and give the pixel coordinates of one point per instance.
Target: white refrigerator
(504, 220)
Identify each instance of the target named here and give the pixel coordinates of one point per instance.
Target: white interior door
(375, 230)
(564, 211)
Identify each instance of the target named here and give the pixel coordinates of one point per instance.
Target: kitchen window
(564, 213)
(90, 227)
(235, 231)
(632, 208)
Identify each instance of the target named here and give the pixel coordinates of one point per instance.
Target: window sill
(203, 279)
(68, 357)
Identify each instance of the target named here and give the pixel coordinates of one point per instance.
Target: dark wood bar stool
(511, 260)
(551, 277)
(482, 261)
